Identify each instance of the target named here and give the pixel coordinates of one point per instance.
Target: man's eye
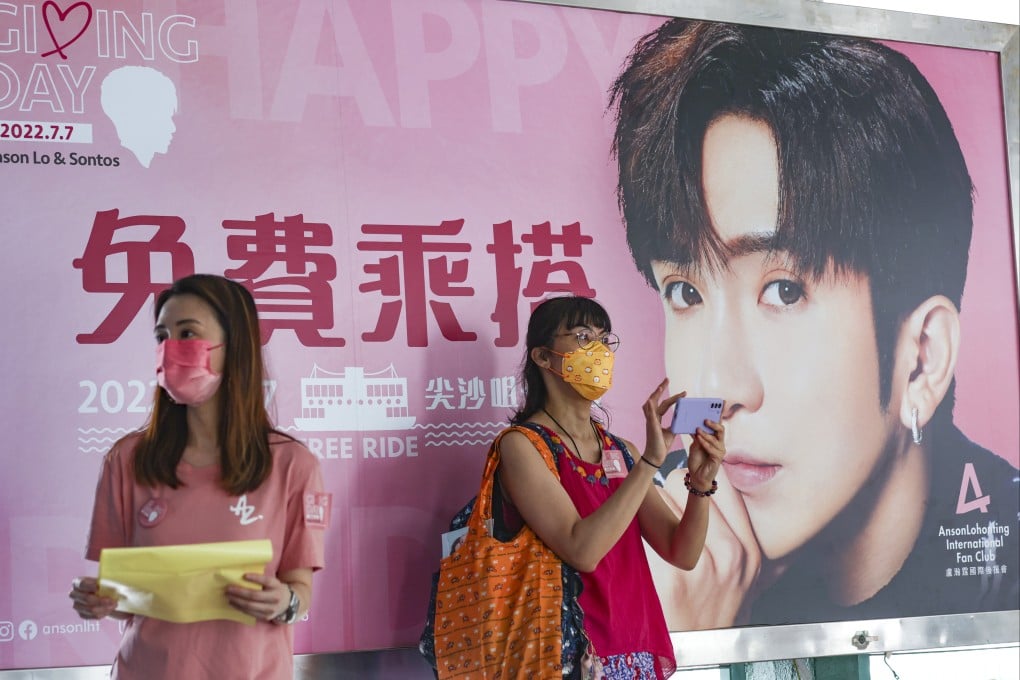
(681, 295)
(583, 337)
(783, 293)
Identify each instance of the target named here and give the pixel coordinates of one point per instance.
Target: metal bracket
(861, 639)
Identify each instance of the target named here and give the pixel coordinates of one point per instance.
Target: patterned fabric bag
(498, 604)
(577, 657)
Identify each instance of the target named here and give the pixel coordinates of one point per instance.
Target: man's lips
(747, 473)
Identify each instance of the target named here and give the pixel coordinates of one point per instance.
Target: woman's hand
(87, 601)
(265, 603)
(706, 454)
(719, 590)
(658, 439)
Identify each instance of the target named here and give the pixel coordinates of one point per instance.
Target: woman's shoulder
(521, 433)
(287, 449)
(530, 440)
(122, 453)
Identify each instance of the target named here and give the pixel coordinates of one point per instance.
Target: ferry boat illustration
(353, 400)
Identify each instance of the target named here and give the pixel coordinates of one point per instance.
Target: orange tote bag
(498, 604)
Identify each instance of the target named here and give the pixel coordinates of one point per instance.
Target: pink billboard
(397, 183)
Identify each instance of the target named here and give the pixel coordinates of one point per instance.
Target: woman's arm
(301, 581)
(678, 541)
(681, 542)
(548, 510)
(550, 513)
(273, 598)
(111, 513)
(90, 604)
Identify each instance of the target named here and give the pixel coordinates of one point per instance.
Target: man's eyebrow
(752, 244)
(747, 244)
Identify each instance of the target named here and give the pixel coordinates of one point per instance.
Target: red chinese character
(570, 276)
(405, 274)
(302, 300)
(139, 283)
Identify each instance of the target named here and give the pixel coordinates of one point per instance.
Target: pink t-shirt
(200, 511)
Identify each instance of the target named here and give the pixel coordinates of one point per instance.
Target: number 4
(970, 481)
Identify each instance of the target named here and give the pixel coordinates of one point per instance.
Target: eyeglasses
(587, 338)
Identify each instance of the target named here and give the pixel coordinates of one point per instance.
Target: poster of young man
(802, 205)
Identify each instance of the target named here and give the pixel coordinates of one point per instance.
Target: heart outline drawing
(58, 48)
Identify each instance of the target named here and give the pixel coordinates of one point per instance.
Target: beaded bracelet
(696, 492)
(645, 460)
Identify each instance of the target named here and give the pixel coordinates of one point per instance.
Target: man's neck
(880, 535)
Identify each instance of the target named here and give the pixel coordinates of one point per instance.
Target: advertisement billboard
(398, 183)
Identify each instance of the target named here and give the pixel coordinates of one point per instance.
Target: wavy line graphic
(96, 440)
(455, 442)
(453, 436)
(467, 433)
(91, 449)
(100, 430)
(450, 426)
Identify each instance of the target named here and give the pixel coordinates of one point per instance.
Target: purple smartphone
(690, 413)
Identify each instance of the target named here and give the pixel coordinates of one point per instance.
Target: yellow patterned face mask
(588, 370)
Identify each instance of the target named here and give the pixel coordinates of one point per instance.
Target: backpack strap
(540, 439)
(482, 509)
(556, 446)
(550, 451)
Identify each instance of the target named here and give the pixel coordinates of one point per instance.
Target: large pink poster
(397, 182)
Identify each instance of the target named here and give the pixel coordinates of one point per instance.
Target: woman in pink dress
(596, 515)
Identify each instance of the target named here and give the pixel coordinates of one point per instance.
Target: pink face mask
(183, 370)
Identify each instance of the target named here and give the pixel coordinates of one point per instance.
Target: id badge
(153, 512)
(613, 464)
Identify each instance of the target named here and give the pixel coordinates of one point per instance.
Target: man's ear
(926, 353)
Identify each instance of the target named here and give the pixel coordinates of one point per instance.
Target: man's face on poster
(794, 356)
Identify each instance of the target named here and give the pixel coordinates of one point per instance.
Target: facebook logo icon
(28, 630)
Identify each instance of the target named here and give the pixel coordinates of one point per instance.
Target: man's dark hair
(871, 176)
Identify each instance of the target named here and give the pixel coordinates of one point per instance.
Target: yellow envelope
(182, 583)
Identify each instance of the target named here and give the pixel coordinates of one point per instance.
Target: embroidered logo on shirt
(317, 509)
(244, 511)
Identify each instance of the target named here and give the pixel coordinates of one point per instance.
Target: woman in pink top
(209, 467)
(595, 517)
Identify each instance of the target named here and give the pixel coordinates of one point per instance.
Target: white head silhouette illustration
(141, 102)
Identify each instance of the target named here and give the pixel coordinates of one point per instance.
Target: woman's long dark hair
(548, 317)
(244, 427)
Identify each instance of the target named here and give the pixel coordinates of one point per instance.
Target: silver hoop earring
(915, 430)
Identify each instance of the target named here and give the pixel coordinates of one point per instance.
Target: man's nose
(730, 369)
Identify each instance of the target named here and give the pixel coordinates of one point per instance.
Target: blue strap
(617, 442)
